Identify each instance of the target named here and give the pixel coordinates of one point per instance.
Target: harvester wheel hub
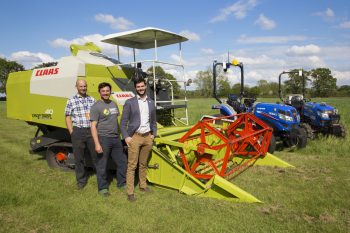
(61, 156)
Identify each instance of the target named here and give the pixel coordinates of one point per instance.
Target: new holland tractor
(284, 119)
(197, 160)
(315, 117)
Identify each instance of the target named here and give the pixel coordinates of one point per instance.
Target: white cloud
(345, 25)
(327, 15)
(315, 61)
(307, 50)
(190, 35)
(176, 58)
(107, 49)
(329, 12)
(238, 9)
(261, 61)
(207, 51)
(243, 39)
(337, 52)
(267, 62)
(119, 23)
(29, 59)
(265, 23)
(343, 77)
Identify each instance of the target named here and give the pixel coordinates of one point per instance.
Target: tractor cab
(295, 100)
(160, 87)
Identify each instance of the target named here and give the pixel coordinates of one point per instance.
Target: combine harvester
(196, 160)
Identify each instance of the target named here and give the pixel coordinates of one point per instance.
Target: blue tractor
(282, 118)
(315, 117)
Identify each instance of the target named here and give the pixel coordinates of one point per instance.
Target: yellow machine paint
(39, 97)
(48, 109)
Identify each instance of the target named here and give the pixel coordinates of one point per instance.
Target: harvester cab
(160, 88)
(282, 118)
(197, 160)
(315, 117)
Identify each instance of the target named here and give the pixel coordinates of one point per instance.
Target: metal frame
(183, 120)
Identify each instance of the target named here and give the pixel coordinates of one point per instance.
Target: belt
(83, 128)
(143, 134)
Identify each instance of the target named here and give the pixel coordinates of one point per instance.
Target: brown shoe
(131, 198)
(146, 190)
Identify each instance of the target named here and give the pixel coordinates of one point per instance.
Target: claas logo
(50, 71)
(123, 95)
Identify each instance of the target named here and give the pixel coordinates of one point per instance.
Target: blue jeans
(112, 147)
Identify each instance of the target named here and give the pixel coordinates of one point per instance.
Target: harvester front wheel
(57, 157)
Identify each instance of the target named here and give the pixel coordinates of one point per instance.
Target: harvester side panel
(17, 93)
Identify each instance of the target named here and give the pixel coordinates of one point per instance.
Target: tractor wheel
(272, 146)
(338, 130)
(57, 156)
(309, 132)
(302, 138)
(298, 138)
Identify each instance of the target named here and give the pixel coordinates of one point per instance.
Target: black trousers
(82, 140)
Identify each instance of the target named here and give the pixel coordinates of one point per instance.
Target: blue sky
(268, 36)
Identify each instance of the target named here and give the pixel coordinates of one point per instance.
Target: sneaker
(146, 190)
(104, 192)
(131, 198)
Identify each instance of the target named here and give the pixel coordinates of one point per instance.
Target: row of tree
(319, 82)
(315, 83)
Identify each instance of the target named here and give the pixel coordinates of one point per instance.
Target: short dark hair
(139, 80)
(104, 84)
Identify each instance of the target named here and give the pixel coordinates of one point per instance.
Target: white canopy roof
(144, 38)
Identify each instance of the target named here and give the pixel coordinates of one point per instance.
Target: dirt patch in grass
(309, 219)
(269, 209)
(327, 218)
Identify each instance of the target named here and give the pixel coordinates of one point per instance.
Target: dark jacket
(131, 118)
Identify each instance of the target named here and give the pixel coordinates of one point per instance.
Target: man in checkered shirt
(78, 124)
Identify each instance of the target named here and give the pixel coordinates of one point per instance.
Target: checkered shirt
(78, 108)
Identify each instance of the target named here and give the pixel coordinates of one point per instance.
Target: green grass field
(313, 197)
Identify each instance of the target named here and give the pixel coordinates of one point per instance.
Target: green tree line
(319, 82)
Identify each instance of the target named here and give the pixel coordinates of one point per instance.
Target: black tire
(309, 131)
(298, 138)
(302, 138)
(53, 160)
(338, 131)
(272, 146)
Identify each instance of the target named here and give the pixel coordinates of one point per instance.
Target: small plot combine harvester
(196, 160)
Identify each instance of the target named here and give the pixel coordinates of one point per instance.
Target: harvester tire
(272, 146)
(55, 158)
(309, 131)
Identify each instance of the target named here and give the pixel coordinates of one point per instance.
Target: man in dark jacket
(138, 126)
